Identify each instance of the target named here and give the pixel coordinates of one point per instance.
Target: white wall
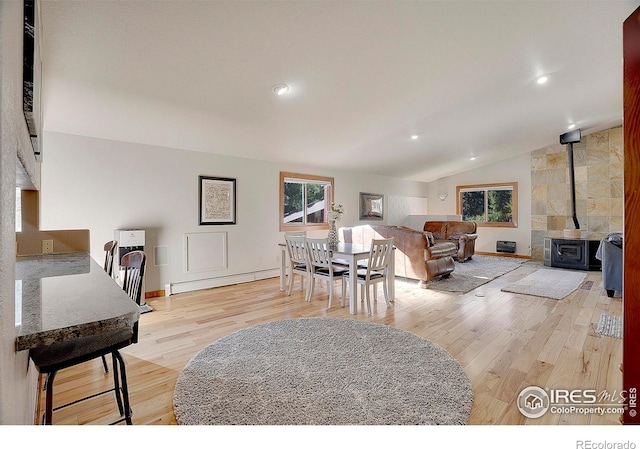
(399, 208)
(103, 185)
(516, 169)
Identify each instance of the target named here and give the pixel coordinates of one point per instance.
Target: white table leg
(353, 285)
(283, 267)
(391, 276)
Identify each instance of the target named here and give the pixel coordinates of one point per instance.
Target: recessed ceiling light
(280, 89)
(542, 79)
(571, 126)
(414, 137)
(472, 158)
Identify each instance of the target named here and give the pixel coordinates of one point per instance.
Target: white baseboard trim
(203, 284)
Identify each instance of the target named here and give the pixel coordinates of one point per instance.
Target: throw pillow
(430, 238)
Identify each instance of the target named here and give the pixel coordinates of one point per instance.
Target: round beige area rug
(322, 371)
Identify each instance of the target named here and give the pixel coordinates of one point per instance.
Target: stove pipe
(570, 138)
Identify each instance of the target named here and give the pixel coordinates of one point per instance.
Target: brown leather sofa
(462, 233)
(415, 258)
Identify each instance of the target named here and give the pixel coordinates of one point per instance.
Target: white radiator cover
(203, 284)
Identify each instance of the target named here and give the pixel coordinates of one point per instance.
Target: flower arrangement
(336, 212)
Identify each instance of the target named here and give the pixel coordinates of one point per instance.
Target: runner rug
(322, 371)
(610, 326)
(548, 283)
(475, 272)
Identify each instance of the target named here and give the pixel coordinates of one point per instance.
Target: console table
(61, 297)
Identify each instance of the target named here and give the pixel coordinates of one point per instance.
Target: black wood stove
(578, 254)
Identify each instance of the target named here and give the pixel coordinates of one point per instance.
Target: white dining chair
(375, 272)
(298, 263)
(322, 268)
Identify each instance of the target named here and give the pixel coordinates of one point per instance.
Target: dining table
(351, 254)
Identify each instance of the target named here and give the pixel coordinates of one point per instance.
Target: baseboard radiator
(505, 246)
(203, 284)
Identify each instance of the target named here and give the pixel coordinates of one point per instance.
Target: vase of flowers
(334, 215)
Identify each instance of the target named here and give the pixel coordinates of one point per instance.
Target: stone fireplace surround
(599, 174)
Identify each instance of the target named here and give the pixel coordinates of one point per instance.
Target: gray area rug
(322, 371)
(610, 326)
(475, 272)
(548, 283)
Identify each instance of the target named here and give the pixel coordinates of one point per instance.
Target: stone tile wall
(599, 165)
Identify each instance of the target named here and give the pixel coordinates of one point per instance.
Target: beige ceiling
(364, 76)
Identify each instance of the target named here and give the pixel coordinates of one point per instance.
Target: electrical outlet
(47, 246)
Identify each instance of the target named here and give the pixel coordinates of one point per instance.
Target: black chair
(109, 253)
(133, 263)
(53, 358)
(110, 250)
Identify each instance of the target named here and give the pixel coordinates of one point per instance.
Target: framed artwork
(32, 74)
(371, 206)
(217, 200)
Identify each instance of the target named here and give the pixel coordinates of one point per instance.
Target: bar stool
(109, 253)
(110, 250)
(50, 359)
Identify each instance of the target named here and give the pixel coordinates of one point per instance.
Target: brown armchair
(461, 233)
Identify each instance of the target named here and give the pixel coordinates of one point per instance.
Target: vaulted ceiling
(364, 76)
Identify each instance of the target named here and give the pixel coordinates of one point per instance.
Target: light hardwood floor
(504, 342)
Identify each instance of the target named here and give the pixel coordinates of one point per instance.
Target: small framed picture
(217, 200)
(371, 206)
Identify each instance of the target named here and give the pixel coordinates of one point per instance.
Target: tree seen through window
(305, 200)
(488, 204)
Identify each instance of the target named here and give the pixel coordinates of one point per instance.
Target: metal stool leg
(125, 389)
(48, 413)
(116, 384)
(104, 363)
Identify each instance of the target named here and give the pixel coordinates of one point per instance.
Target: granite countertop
(60, 297)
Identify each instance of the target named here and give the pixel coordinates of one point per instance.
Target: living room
(102, 183)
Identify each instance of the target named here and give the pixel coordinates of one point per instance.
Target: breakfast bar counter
(61, 297)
